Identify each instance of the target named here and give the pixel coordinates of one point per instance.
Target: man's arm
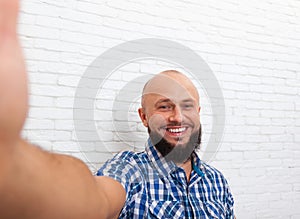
(38, 185)
(34, 183)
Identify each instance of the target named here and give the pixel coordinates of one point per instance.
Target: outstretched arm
(34, 183)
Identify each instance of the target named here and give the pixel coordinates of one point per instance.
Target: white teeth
(176, 130)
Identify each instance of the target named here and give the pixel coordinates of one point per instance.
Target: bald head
(171, 84)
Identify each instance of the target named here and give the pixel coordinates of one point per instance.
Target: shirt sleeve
(229, 204)
(122, 169)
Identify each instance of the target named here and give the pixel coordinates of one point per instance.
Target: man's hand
(13, 83)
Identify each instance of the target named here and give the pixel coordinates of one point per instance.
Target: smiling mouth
(176, 130)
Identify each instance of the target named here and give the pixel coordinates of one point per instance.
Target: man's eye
(164, 107)
(188, 106)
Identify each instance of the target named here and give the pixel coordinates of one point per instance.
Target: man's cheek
(156, 122)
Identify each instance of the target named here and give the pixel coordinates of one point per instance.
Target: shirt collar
(197, 164)
(165, 167)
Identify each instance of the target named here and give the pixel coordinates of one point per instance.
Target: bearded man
(168, 179)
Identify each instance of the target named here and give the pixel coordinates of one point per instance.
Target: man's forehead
(166, 98)
(172, 86)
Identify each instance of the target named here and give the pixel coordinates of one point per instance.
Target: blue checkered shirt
(156, 188)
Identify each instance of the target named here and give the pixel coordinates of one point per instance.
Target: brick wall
(253, 48)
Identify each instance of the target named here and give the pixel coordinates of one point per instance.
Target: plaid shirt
(156, 188)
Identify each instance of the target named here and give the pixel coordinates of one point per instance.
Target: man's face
(171, 113)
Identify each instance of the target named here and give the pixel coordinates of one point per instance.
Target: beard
(178, 153)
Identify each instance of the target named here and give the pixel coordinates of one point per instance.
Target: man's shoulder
(130, 158)
(123, 162)
(212, 171)
(130, 155)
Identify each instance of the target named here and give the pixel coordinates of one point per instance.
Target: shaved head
(166, 79)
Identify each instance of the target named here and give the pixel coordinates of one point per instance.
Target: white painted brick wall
(253, 47)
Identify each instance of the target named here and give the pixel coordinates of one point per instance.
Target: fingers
(8, 17)
(13, 87)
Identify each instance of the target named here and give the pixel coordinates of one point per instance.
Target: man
(168, 180)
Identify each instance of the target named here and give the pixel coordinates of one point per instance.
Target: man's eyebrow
(167, 100)
(188, 100)
(164, 100)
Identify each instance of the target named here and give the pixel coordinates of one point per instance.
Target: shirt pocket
(215, 209)
(166, 209)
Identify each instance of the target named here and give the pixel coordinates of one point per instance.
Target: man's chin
(173, 140)
(177, 142)
(177, 150)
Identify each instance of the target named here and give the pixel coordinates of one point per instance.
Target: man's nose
(176, 115)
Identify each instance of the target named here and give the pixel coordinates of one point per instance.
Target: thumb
(8, 17)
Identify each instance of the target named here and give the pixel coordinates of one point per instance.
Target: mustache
(177, 124)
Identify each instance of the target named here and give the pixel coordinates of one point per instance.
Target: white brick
(252, 172)
(229, 155)
(248, 95)
(39, 8)
(50, 113)
(246, 112)
(65, 146)
(257, 139)
(43, 78)
(273, 81)
(81, 38)
(64, 102)
(258, 121)
(272, 130)
(44, 135)
(103, 115)
(292, 82)
(70, 81)
(283, 138)
(282, 121)
(64, 124)
(41, 101)
(99, 9)
(277, 97)
(235, 86)
(115, 147)
(259, 105)
(104, 104)
(248, 155)
(272, 113)
(52, 91)
(26, 18)
(39, 32)
(54, 22)
(286, 90)
(262, 88)
(37, 54)
(271, 146)
(49, 44)
(38, 124)
(246, 129)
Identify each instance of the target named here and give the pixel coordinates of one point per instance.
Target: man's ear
(143, 117)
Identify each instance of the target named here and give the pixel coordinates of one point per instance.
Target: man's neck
(187, 166)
